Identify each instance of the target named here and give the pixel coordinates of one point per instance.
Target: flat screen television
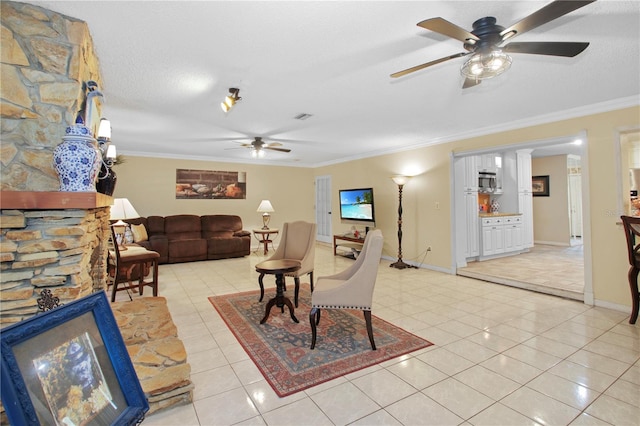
(356, 205)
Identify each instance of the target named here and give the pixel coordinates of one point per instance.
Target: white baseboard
(552, 243)
(422, 265)
(613, 306)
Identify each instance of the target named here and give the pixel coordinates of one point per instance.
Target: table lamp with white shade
(265, 208)
(121, 209)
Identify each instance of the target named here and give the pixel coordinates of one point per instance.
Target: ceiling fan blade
(548, 13)
(557, 48)
(277, 149)
(428, 64)
(273, 144)
(445, 27)
(470, 82)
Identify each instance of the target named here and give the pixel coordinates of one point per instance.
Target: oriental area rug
(280, 347)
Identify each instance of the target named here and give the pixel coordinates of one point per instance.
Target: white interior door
(575, 195)
(323, 209)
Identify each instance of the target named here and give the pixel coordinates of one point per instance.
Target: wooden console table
(356, 243)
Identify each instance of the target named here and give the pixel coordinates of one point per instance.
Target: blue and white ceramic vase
(77, 160)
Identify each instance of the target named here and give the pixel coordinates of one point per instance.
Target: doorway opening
(551, 267)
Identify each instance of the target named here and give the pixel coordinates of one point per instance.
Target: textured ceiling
(166, 66)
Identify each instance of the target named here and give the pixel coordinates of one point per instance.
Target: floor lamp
(400, 181)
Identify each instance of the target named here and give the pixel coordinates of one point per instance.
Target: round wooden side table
(264, 237)
(278, 268)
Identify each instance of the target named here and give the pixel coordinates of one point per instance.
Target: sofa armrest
(157, 243)
(242, 234)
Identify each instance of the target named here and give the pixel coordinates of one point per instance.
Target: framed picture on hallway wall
(540, 186)
(70, 366)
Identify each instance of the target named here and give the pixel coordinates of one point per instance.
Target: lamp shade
(401, 180)
(122, 209)
(111, 152)
(104, 130)
(265, 207)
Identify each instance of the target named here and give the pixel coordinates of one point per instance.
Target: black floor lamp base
(401, 265)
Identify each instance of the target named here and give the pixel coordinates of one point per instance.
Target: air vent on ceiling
(302, 116)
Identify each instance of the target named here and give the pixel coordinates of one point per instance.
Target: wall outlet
(437, 205)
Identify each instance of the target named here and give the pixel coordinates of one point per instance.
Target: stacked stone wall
(64, 251)
(46, 60)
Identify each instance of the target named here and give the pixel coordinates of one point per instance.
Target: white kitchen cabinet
(513, 233)
(525, 197)
(488, 248)
(525, 207)
(498, 239)
(487, 162)
(472, 248)
(501, 235)
(492, 236)
(523, 166)
(470, 182)
(466, 210)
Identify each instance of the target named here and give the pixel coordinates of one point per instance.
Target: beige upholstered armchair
(351, 288)
(298, 242)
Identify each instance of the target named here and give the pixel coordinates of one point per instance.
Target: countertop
(498, 214)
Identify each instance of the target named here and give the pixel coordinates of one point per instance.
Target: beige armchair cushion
(298, 242)
(353, 287)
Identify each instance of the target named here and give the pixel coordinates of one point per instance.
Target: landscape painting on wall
(210, 185)
(540, 186)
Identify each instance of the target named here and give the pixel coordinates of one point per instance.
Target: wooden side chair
(127, 265)
(632, 232)
(351, 288)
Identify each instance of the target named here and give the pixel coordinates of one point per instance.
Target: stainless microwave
(487, 182)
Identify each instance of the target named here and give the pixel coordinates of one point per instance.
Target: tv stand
(352, 243)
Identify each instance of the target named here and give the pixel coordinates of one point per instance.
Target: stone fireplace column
(43, 247)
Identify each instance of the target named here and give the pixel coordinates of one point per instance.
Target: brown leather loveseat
(187, 238)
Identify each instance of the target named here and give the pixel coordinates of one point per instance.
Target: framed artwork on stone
(70, 366)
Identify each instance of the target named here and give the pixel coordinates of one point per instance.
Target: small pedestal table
(278, 268)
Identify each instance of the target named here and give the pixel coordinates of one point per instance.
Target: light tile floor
(545, 268)
(501, 356)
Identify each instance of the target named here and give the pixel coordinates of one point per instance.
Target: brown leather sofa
(187, 238)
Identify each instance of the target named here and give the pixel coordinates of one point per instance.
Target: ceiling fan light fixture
(257, 153)
(482, 66)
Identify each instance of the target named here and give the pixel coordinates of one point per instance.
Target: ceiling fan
(258, 147)
(489, 58)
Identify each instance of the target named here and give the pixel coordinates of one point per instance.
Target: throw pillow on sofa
(139, 233)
